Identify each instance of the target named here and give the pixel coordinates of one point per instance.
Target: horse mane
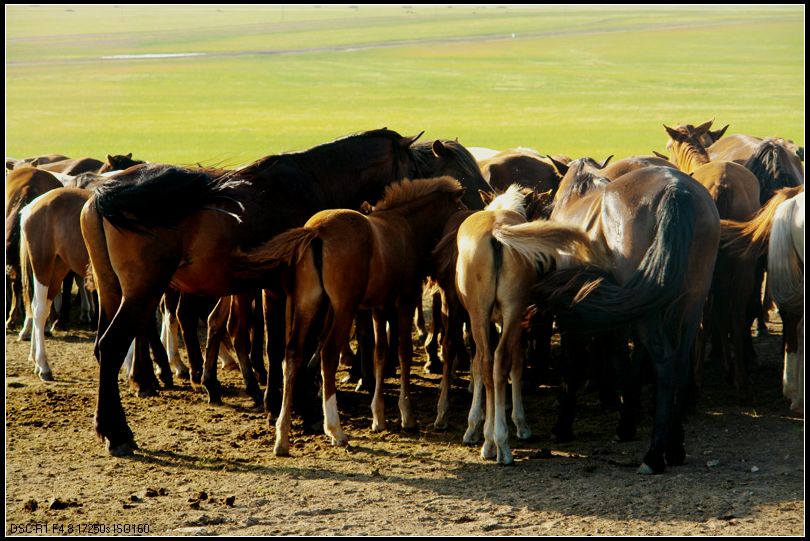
(690, 149)
(400, 193)
(513, 199)
(330, 150)
(161, 196)
(771, 165)
(751, 238)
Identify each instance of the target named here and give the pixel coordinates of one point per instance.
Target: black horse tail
(770, 163)
(161, 196)
(589, 299)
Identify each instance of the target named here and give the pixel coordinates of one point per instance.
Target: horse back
(734, 148)
(734, 189)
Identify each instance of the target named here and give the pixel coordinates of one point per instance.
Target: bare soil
(210, 470)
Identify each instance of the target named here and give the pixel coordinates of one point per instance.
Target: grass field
(563, 80)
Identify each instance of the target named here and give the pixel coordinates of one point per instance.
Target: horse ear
(663, 156)
(458, 194)
(717, 134)
(561, 168)
(366, 208)
(408, 141)
(800, 153)
(673, 133)
(486, 197)
(109, 159)
(439, 150)
(129, 155)
(703, 128)
(605, 162)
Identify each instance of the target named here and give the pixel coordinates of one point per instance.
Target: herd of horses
(286, 255)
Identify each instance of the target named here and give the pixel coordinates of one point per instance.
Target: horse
(159, 225)
(118, 162)
(523, 167)
(342, 261)
(74, 166)
(786, 285)
(658, 230)
(778, 231)
(52, 246)
(500, 256)
(626, 165)
(34, 161)
(736, 193)
(23, 185)
(449, 315)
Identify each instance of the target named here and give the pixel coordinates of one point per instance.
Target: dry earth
(744, 473)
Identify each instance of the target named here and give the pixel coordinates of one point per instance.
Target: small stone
(31, 505)
(151, 493)
(128, 506)
(202, 495)
(162, 491)
(250, 521)
(712, 463)
(754, 469)
(195, 504)
(375, 472)
(134, 498)
(229, 501)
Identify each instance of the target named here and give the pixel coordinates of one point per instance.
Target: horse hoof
(340, 441)
(363, 387)
(410, 429)
(122, 449)
(168, 382)
(46, 376)
(185, 375)
(440, 426)
(489, 451)
(377, 427)
(281, 450)
(470, 438)
(644, 470)
(524, 434)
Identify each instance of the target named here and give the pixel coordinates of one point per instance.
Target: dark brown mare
(342, 261)
(736, 193)
(180, 227)
(659, 230)
(23, 185)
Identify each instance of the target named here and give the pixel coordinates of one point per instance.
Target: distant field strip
(258, 80)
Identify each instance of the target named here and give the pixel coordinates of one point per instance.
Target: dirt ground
(210, 470)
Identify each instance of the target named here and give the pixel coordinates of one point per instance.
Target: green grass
(573, 81)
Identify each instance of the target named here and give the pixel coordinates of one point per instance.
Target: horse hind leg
(337, 335)
(40, 308)
(241, 311)
(217, 326)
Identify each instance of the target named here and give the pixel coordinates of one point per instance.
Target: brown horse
(34, 161)
(659, 231)
(736, 193)
(521, 167)
(157, 225)
(342, 261)
(51, 245)
(500, 256)
(23, 185)
(75, 166)
(626, 165)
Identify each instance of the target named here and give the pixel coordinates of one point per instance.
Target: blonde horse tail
(785, 268)
(26, 270)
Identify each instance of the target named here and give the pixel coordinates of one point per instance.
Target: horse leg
(63, 321)
(507, 360)
(275, 329)
(160, 355)
(336, 335)
(241, 311)
(110, 420)
(405, 347)
(380, 351)
(168, 333)
(434, 363)
(364, 330)
(217, 323)
(142, 379)
(188, 316)
(629, 380)
(742, 291)
(257, 337)
(421, 328)
(86, 314)
(448, 348)
(392, 358)
(40, 308)
(572, 352)
(480, 332)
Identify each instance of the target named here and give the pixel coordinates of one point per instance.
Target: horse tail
(751, 238)
(26, 269)
(550, 244)
(285, 249)
(785, 268)
(162, 196)
(770, 163)
(588, 299)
